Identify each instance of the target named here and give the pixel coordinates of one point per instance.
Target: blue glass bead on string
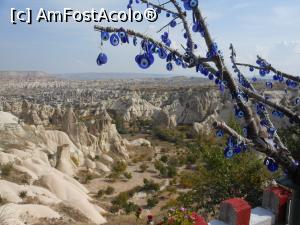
(190, 4)
(114, 40)
(169, 66)
(220, 133)
(135, 41)
(278, 114)
(271, 164)
(173, 23)
(229, 152)
(104, 36)
(269, 84)
(101, 59)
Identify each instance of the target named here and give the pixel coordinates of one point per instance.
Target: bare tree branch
(253, 129)
(271, 68)
(140, 35)
(185, 24)
(161, 7)
(228, 130)
(257, 97)
(263, 146)
(265, 114)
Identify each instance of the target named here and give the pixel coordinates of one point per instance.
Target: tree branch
(185, 24)
(161, 7)
(253, 129)
(265, 114)
(257, 97)
(228, 130)
(140, 35)
(271, 68)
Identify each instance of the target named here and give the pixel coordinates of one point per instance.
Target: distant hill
(25, 75)
(114, 76)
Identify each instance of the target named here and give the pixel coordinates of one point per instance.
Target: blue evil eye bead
(187, 5)
(144, 62)
(195, 46)
(220, 133)
(254, 79)
(237, 149)
(275, 77)
(185, 36)
(251, 68)
(245, 131)
(271, 164)
(135, 41)
(193, 3)
(102, 59)
(229, 152)
(271, 131)
(114, 40)
(178, 62)
(269, 84)
(239, 113)
(173, 23)
(264, 123)
(168, 14)
(211, 76)
(123, 36)
(169, 66)
(230, 142)
(277, 114)
(262, 72)
(162, 53)
(104, 35)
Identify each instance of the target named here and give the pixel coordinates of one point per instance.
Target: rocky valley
(70, 148)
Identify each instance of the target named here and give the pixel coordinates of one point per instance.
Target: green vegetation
(217, 178)
(109, 190)
(152, 202)
(22, 194)
(6, 169)
(118, 168)
(127, 175)
(143, 167)
(170, 135)
(290, 137)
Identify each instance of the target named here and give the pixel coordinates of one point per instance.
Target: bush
(150, 185)
(6, 169)
(127, 175)
(158, 165)
(164, 158)
(219, 178)
(100, 193)
(22, 194)
(130, 207)
(152, 202)
(172, 171)
(168, 171)
(121, 200)
(119, 167)
(109, 190)
(170, 135)
(143, 167)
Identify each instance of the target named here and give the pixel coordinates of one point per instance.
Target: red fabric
(242, 210)
(283, 197)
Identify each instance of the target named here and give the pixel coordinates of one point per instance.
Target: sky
(269, 28)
